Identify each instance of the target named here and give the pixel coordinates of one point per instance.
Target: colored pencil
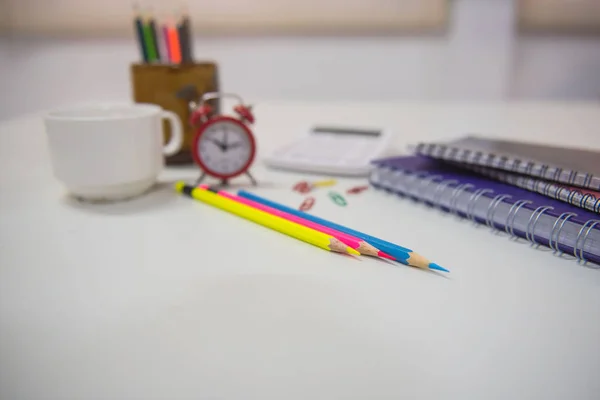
(401, 254)
(319, 239)
(154, 34)
(149, 42)
(360, 245)
(165, 38)
(139, 31)
(174, 46)
(162, 45)
(183, 28)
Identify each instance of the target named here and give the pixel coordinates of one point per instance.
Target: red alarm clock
(223, 146)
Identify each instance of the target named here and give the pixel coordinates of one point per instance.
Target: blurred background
(55, 52)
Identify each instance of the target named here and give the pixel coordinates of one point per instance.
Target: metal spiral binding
(395, 176)
(412, 179)
(464, 155)
(436, 199)
(392, 176)
(559, 191)
(557, 173)
(572, 194)
(454, 197)
(516, 165)
(425, 183)
(438, 150)
(386, 179)
(529, 167)
(587, 227)
(584, 199)
(449, 153)
(539, 183)
(473, 199)
(512, 213)
(556, 229)
(533, 220)
(571, 178)
(489, 216)
(502, 163)
(587, 197)
(587, 180)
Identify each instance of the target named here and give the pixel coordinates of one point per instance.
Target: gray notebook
(571, 166)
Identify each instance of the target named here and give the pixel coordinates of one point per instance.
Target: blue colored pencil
(401, 254)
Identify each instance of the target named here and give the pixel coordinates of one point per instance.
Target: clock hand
(220, 145)
(225, 138)
(234, 145)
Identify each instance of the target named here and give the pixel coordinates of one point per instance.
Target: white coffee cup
(110, 151)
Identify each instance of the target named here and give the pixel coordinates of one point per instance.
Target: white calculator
(332, 150)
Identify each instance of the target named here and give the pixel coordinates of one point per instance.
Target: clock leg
(224, 182)
(200, 179)
(251, 178)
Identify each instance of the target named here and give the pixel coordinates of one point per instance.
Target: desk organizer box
(175, 88)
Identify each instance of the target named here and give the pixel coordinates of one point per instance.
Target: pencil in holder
(177, 88)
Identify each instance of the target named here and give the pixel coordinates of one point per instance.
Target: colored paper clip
(307, 204)
(329, 182)
(337, 198)
(357, 189)
(302, 187)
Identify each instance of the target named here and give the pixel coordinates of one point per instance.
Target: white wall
(557, 67)
(479, 59)
(113, 17)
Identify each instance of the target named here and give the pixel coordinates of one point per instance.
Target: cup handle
(176, 141)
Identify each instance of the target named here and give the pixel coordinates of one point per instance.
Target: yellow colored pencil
(282, 225)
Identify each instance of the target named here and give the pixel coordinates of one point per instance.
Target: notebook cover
(572, 166)
(419, 164)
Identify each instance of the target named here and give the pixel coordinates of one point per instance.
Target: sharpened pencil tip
(350, 250)
(383, 255)
(436, 267)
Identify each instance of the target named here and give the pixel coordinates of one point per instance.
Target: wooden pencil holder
(175, 88)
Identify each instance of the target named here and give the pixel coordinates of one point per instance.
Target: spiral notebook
(519, 212)
(579, 197)
(570, 166)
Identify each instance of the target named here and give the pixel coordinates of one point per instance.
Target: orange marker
(173, 41)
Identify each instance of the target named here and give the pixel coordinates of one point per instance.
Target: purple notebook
(541, 220)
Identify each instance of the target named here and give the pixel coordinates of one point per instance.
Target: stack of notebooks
(547, 195)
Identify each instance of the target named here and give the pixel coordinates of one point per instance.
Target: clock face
(224, 147)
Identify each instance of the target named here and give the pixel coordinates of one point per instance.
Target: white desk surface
(150, 300)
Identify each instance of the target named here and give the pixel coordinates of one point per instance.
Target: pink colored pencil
(360, 245)
(165, 39)
(163, 45)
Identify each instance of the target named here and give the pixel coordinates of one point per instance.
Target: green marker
(149, 42)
